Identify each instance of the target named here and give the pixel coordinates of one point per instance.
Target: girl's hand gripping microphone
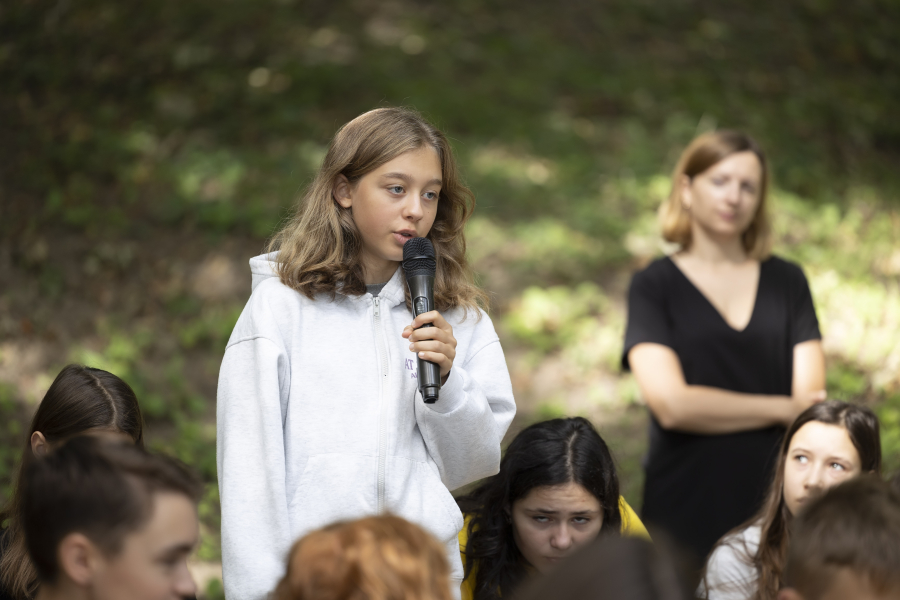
(419, 265)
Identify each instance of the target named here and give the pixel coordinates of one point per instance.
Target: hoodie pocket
(333, 487)
(416, 493)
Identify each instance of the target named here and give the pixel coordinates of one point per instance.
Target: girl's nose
(184, 584)
(815, 479)
(562, 538)
(413, 209)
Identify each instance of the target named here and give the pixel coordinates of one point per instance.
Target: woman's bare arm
(709, 410)
(809, 368)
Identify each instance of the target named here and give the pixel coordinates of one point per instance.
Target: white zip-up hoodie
(319, 419)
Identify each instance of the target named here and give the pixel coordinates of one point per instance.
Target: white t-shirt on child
(730, 573)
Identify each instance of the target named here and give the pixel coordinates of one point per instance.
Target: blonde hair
(319, 248)
(701, 154)
(375, 558)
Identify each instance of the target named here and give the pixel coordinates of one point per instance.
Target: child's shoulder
(267, 287)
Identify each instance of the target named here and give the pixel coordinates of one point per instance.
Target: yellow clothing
(631, 527)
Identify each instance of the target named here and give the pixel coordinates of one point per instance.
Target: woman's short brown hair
(702, 153)
(374, 558)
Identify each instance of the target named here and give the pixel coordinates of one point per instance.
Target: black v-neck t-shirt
(698, 487)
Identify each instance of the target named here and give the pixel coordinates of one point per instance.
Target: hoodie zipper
(381, 349)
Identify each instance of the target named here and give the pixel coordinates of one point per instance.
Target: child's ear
(342, 191)
(78, 558)
(39, 445)
(789, 594)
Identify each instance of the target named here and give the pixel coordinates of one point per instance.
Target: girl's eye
(801, 459)
(541, 519)
(718, 180)
(838, 467)
(749, 188)
(581, 520)
(396, 189)
(431, 195)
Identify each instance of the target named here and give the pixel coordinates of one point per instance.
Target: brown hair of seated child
(613, 568)
(846, 544)
(373, 558)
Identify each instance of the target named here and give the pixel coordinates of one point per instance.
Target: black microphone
(419, 265)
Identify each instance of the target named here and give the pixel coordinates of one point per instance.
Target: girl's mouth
(403, 236)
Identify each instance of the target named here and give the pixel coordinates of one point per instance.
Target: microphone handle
(421, 292)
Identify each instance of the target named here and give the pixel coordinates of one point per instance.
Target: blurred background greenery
(149, 149)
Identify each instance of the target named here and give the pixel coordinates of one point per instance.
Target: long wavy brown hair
(774, 518)
(702, 153)
(319, 249)
(373, 558)
(80, 399)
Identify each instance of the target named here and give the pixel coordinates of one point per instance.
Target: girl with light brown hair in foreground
(375, 558)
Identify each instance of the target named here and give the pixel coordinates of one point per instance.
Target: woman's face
(552, 521)
(723, 199)
(819, 456)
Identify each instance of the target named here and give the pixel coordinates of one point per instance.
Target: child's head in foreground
(846, 544)
(105, 519)
(612, 568)
(374, 558)
(81, 400)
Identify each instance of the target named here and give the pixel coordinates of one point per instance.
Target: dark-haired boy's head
(846, 544)
(107, 519)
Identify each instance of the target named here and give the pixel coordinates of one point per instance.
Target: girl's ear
(39, 445)
(686, 192)
(342, 191)
(78, 558)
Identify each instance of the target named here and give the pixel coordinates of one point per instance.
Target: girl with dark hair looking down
(556, 491)
(724, 343)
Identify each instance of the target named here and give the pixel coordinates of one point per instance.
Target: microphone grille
(418, 257)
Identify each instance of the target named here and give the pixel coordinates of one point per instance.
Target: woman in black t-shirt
(724, 343)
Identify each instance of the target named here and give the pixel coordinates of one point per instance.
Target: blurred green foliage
(552, 318)
(215, 590)
(224, 105)
(889, 414)
(150, 130)
(11, 433)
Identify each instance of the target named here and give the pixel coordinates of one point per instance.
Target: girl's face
(819, 456)
(723, 199)
(392, 204)
(552, 521)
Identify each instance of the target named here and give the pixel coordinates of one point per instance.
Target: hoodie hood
(262, 267)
